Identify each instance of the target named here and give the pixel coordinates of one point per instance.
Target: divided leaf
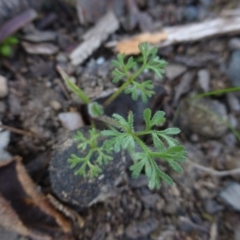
(145, 90)
(122, 69)
(156, 120)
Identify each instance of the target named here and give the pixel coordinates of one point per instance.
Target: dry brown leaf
(11, 221)
(130, 46)
(16, 23)
(25, 209)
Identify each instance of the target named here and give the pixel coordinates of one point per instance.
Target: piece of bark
(181, 34)
(24, 209)
(94, 37)
(16, 23)
(40, 48)
(40, 36)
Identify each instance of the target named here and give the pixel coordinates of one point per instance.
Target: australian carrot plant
(120, 132)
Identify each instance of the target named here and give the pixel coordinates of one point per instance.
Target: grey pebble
(174, 70)
(191, 13)
(234, 44)
(3, 87)
(204, 117)
(233, 71)
(231, 195)
(7, 235)
(204, 79)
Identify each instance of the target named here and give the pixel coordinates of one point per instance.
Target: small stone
(206, 3)
(185, 225)
(55, 105)
(14, 104)
(233, 70)
(232, 160)
(212, 206)
(234, 44)
(4, 141)
(174, 70)
(233, 102)
(204, 117)
(2, 107)
(237, 231)
(232, 120)
(171, 207)
(204, 79)
(184, 86)
(231, 195)
(4, 138)
(139, 182)
(150, 200)
(190, 13)
(3, 87)
(136, 230)
(230, 140)
(100, 60)
(8, 235)
(61, 57)
(4, 155)
(71, 120)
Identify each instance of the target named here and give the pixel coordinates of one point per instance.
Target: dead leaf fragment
(10, 220)
(130, 46)
(24, 209)
(16, 23)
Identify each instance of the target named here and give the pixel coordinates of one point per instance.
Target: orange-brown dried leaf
(130, 46)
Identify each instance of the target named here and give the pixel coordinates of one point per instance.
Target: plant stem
(124, 86)
(216, 92)
(140, 143)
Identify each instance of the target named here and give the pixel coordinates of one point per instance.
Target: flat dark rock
(78, 190)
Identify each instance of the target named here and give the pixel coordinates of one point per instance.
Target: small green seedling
(6, 47)
(120, 133)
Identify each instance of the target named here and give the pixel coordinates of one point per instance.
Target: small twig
(62, 85)
(19, 131)
(215, 172)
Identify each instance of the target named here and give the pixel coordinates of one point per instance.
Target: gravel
(204, 79)
(3, 87)
(231, 195)
(233, 70)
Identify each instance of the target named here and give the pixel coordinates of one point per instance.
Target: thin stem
(140, 133)
(124, 86)
(216, 92)
(140, 143)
